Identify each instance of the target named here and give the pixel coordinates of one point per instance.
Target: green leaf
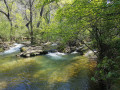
(109, 74)
(93, 79)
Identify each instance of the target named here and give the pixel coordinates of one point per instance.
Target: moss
(1, 49)
(22, 49)
(16, 66)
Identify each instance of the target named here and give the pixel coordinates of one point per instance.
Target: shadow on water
(45, 73)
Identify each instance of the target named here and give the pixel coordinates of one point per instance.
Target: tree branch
(90, 48)
(4, 13)
(33, 2)
(6, 6)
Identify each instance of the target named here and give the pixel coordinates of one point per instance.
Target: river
(54, 71)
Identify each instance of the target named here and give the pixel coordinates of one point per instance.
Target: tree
(100, 22)
(42, 5)
(7, 14)
(31, 21)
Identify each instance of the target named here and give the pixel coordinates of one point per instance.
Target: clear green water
(71, 72)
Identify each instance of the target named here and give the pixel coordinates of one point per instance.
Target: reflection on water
(45, 73)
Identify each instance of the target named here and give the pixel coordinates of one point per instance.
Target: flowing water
(54, 71)
(16, 48)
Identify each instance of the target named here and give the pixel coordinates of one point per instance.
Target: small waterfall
(56, 55)
(75, 52)
(16, 47)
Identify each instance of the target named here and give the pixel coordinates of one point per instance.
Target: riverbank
(28, 50)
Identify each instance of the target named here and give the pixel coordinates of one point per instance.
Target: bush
(107, 71)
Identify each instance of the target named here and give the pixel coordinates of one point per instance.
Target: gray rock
(31, 51)
(27, 55)
(67, 49)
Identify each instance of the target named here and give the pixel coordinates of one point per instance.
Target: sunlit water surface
(55, 71)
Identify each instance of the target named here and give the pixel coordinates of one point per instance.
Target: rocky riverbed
(28, 50)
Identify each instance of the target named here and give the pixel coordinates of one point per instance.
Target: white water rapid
(56, 55)
(16, 47)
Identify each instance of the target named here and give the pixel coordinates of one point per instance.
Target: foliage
(98, 21)
(4, 31)
(108, 71)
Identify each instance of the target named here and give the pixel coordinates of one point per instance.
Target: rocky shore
(30, 51)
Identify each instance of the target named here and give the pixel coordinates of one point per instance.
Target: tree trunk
(96, 35)
(31, 26)
(8, 17)
(11, 31)
(41, 13)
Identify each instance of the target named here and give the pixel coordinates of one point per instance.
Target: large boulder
(30, 48)
(32, 51)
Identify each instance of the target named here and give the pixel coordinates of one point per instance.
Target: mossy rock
(22, 49)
